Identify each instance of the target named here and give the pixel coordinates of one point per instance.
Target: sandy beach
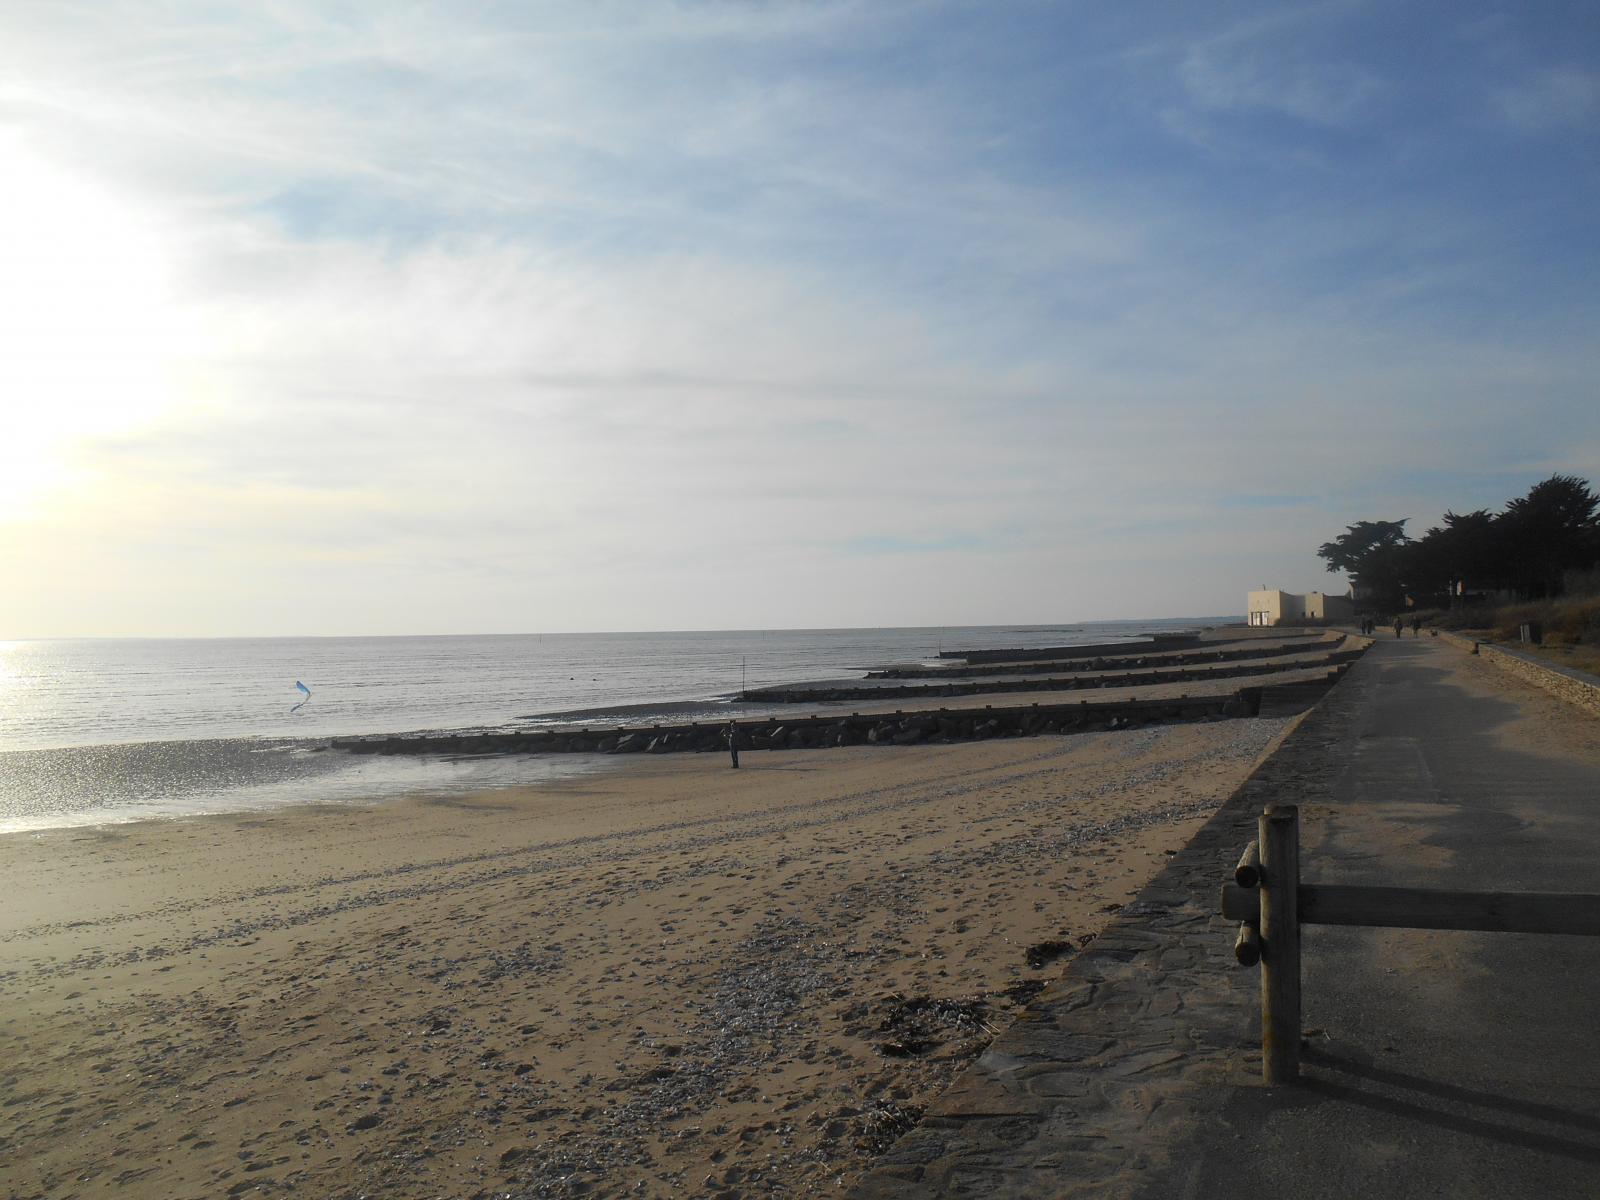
(665, 977)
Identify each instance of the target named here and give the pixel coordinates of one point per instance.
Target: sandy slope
(670, 977)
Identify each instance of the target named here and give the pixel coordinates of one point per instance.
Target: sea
(104, 731)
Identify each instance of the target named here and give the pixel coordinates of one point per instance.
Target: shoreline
(73, 787)
(661, 974)
(117, 691)
(220, 783)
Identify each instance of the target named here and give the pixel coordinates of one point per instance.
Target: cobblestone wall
(1575, 687)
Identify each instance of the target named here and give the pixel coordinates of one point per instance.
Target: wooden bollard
(1280, 948)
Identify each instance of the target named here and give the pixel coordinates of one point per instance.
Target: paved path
(1440, 1063)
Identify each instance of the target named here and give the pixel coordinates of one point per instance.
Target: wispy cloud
(1236, 74)
(721, 315)
(1557, 98)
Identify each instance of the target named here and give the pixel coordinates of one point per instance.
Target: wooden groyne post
(1271, 904)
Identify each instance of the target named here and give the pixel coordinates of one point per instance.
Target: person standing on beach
(1399, 626)
(733, 742)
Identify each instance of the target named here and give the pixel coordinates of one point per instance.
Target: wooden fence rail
(1271, 904)
(1420, 908)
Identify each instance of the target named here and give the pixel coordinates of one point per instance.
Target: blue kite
(304, 691)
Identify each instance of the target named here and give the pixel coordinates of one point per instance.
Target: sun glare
(89, 329)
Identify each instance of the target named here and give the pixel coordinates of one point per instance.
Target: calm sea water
(95, 731)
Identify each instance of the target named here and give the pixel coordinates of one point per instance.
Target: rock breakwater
(1174, 658)
(801, 693)
(1159, 641)
(829, 731)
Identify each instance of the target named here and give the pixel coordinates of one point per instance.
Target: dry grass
(1582, 658)
(1571, 626)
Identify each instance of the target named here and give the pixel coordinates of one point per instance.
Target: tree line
(1529, 550)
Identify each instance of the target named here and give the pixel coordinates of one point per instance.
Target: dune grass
(1571, 627)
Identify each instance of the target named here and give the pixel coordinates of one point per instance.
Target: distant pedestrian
(1416, 626)
(1399, 626)
(733, 742)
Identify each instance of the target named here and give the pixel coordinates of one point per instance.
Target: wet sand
(666, 978)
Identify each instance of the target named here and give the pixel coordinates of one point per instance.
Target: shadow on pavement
(1444, 1118)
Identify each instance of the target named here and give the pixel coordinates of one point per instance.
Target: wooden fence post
(1280, 944)
(1268, 900)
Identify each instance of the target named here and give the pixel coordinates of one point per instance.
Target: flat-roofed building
(1270, 606)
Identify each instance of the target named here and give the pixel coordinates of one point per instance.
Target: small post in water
(1280, 944)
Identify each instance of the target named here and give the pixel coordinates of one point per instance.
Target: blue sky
(359, 318)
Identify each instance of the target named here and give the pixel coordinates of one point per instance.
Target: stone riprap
(858, 729)
(1282, 685)
(814, 732)
(816, 693)
(1159, 641)
(1227, 653)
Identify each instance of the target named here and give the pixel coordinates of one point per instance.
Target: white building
(1273, 607)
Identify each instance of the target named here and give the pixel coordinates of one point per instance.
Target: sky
(344, 318)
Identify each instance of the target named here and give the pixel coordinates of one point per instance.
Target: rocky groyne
(813, 694)
(1159, 641)
(1176, 658)
(855, 729)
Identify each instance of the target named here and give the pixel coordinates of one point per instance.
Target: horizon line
(261, 637)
